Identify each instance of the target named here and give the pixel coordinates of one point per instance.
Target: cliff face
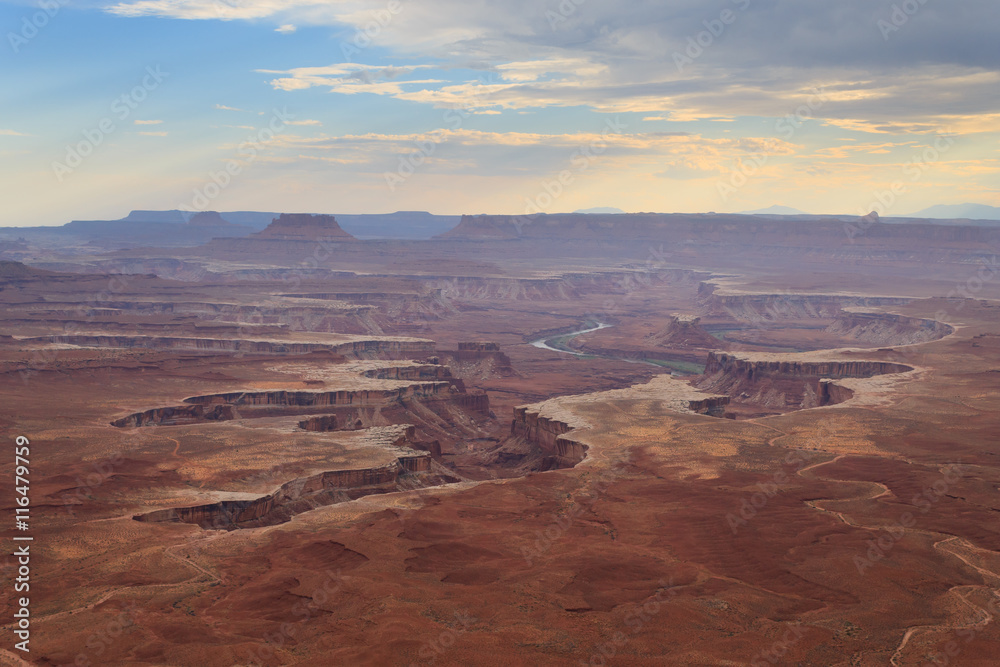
(350, 409)
(734, 366)
(303, 494)
(888, 329)
(782, 385)
(547, 435)
(177, 415)
(777, 307)
(360, 398)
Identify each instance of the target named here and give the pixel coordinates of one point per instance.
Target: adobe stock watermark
(562, 12)
(635, 620)
(785, 127)
(246, 154)
(750, 507)
(714, 29)
(953, 649)
(121, 108)
(914, 169)
(426, 146)
(99, 642)
(899, 16)
(365, 35)
(775, 654)
(581, 504)
(435, 648)
(31, 25)
(880, 548)
(582, 159)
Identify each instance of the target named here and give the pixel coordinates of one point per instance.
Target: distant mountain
(599, 210)
(775, 210)
(960, 211)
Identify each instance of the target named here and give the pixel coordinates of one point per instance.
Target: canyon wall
(778, 384)
(887, 328)
(763, 308)
(737, 367)
(293, 497)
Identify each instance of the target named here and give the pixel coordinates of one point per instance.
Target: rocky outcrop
(325, 423)
(712, 406)
(683, 331)
(478, 347)
(477, 361)
(887, 328)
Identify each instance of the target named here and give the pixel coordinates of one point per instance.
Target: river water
(543, 343)
(678, 367)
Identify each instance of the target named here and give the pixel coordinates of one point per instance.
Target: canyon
(295, 446)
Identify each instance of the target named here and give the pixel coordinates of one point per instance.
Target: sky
(483, 106)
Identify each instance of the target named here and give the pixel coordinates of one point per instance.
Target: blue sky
(499, 107)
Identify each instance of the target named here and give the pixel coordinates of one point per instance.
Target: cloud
(148, 122)
(520, 154)
(285, 29)
(12, 133)
(223, 107)
(303, 122)
(347, 78)
(689, 168)
(941, 67)
(153, 134)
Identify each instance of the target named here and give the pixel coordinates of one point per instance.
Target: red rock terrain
(365, 461)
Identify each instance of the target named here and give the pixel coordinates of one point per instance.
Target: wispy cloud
(148, 122)
(223, 107)
(12, 133)
(153, 134)
(285, 29)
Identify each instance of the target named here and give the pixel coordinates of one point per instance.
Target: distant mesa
(303, 227)
(960, 211)
(606, 210)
